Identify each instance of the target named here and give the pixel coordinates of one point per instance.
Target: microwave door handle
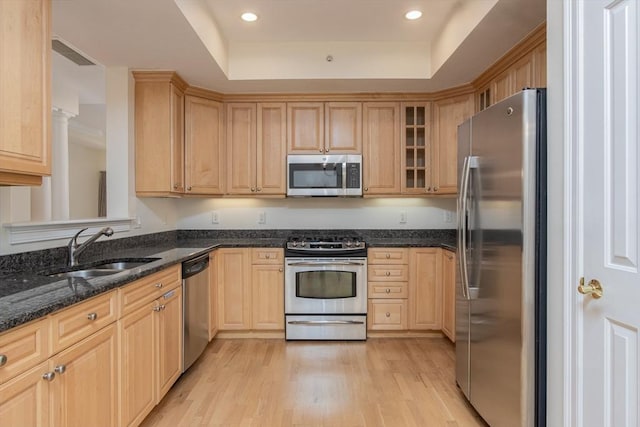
(344, 178)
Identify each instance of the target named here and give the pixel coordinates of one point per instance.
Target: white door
(607, 106)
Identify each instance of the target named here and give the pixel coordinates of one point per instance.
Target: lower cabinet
(150, 355)
(250, 289)
(84, 391)
(425, 289)
(24, 400)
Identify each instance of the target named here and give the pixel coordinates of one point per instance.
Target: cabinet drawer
(387, 314)
(388, 256)
(387, 273)
(388, 290)
(81, 320)
(22, 348)
(267, 256)
(147, 289)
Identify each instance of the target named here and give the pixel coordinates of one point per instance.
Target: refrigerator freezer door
(499, 136)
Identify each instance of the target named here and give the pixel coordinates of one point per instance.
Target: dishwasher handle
(194, 266)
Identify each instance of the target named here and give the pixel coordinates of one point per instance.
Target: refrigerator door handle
(462, 228)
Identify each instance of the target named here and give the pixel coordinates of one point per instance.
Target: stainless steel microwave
(324, 175)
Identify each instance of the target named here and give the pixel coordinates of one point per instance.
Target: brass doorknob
(593, 288)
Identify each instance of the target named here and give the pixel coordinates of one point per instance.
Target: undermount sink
(108, 267)
(125, 265)
(85, 274)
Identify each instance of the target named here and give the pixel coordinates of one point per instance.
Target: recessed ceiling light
(413, 14)
(249, 17)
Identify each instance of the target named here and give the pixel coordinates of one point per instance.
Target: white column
(60, 164)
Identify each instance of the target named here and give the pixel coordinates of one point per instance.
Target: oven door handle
(317, 263)
(325, 322)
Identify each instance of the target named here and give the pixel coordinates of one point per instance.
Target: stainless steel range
(325, 288)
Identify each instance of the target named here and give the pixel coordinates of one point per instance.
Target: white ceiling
(374, 48)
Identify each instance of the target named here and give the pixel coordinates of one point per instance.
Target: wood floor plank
(383, 382)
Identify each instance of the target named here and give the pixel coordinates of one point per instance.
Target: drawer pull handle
(49, 376)
(157, 308)
(388, 273)
(388, 314)
(60, 369)
(3, 359)
(158, 285)
(388, 290)
(267, 256)
(388, 256)
(92, 316)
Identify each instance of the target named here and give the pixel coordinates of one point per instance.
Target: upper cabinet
(381, 148)
(417, 165)
(448, 114)
(25, 95)
(256, 150)
(331, 127)
(204, 146)
(159, 119)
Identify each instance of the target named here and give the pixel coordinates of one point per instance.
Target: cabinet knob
(388, 290)
(280, 269)
(428, 188)
(366, 188)
(157, 308)
(253, 189)
(321, 150)
(259, 189)
(387, 314)
(326, 150)
(175, 186)
(92, 316)
(3, 359)
(388, 256)
(388, 273)
(267, 256)
(49, 376)
(60, 369)
(189, 188)
(435, 188)
(158, 285)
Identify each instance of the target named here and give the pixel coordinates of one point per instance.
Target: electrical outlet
(403, 217)
(448, 216)
(262, 217)
(215, 217)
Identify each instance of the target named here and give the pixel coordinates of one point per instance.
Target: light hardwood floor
(380, 382)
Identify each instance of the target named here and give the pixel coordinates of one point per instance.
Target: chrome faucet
(76, 249)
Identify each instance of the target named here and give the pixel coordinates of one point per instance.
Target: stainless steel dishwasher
(195, 294)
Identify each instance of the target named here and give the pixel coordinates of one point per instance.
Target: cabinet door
(204, 146)
(305, 124)
(137, 365)
(23, 348)
(381, 148)
(343, 127)
(241, 145)
(540, 66)
(271, 149)
(523, 73)
(267, 283)
(387, 314)
(169, 335)
(502, 86)
(177, 139)
(24, 401)
(425, 289)
(417, 157)
(85, 394)
(449, 294)
(25, 100)
(234, 289)
(447, 115)
(213, 295)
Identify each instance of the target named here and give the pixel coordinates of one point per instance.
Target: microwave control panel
(353, 175)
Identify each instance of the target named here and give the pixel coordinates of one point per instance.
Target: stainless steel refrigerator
(501, 285)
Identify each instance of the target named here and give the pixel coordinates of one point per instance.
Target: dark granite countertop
(29, 295)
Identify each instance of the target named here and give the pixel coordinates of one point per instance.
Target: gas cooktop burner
(321, 244)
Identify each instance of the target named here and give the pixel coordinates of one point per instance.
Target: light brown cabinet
(213, 294)
(204, 146)
(159, 118)
(256, 151)
(250, 289)
(24, 400)
(381, 148)
(448, 114)
(23, 347)
(150, 341)
(449, 294)
(85, 386)
(25, 92)
(425, 289)
(417, 161)
(387, 289)
(331, 127)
